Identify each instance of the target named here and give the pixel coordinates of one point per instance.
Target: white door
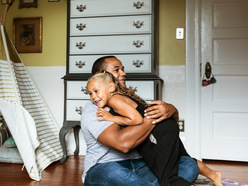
(224, 105)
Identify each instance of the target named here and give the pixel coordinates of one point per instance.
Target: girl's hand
(104, 114)
(160, 111)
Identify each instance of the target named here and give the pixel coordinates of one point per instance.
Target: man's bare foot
(217, 178)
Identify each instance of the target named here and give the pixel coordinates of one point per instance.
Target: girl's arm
(129, 115)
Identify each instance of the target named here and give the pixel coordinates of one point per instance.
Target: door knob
(207, 79)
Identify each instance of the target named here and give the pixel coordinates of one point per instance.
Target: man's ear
(111, 87)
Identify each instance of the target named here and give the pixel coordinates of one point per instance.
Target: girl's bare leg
(214, 176)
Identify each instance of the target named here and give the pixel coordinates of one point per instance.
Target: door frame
(193, 78)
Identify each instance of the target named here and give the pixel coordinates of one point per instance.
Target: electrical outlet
(181, 125)
(179, 33)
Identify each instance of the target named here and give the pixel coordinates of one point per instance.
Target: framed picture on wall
(28, 3)
(28, 34)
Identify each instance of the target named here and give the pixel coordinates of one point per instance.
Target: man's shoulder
(89, 110)
(89, 113)
(89, 107)
(89, 120)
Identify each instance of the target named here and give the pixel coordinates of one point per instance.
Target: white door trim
(193, 79)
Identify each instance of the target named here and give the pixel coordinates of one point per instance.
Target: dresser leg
(76, 135)
(63, 131)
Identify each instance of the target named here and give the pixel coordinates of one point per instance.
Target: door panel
(224, 105)
(225, 48)
(230, 14)
(231, 89)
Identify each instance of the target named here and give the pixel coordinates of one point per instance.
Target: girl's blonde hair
(108, 78)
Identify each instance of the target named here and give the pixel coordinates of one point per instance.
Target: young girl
(162, 148)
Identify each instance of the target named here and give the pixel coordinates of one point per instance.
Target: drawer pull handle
(84, 90)
(134, 89)
(138, 63)
(80, 64)
(81, 8)
(138, 5)
(138, 43)
(80, 45)
(81, 26)
(138, 24)
(79, 110)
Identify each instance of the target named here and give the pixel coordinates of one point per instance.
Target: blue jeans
(188, 168)
(136, 172)
(128, 172)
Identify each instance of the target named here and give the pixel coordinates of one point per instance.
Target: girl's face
(99, 91)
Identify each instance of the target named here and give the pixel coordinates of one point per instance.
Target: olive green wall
(170, 51)
(171, 16)
(54, 31)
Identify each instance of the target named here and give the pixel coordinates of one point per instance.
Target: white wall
(51, 87)
(174, 86)
(174, 89)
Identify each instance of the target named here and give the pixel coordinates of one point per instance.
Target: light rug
(203, 181)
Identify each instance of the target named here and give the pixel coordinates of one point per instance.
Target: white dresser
(96, 28)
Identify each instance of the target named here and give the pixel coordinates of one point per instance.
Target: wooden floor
(71, 171)
(236, 171)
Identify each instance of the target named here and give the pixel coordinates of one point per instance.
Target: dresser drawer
(144, 89)
(81, 64)
(111, 25)
(110, 44)
(77, 90)
(133, 63)
(74, 109)
(138, 63)
(88, 8)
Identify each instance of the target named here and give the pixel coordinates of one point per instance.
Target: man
(109, 158)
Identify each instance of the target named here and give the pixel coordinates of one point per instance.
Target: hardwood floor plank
(71, 171)
(235, 171)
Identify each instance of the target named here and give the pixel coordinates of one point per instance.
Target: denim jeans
(128, 172)
(135, 172)
(188, 168)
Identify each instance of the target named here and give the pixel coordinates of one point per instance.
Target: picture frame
(27, 34)
(28, 4)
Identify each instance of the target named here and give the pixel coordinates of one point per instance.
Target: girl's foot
(217, 178)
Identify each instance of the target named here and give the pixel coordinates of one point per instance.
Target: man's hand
(160, 111)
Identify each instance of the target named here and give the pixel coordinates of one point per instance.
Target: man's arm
(125, 139)
(160, 111)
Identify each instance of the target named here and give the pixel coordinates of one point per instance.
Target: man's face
(115, 67)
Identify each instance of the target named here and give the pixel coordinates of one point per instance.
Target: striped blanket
(26, 114)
